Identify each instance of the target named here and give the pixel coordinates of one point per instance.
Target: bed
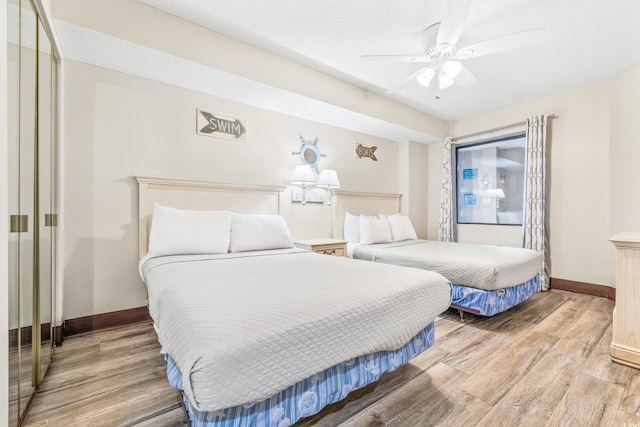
(486, 280)
(265, 333)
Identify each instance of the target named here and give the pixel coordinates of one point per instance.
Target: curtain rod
(455, 138)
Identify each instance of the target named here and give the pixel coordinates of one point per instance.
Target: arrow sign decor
(218, 125)
(366, 152)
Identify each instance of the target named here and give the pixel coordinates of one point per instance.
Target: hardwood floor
(542, 363)
(110, 378)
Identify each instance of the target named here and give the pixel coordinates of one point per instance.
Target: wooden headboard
(361, 204)
(200, 195)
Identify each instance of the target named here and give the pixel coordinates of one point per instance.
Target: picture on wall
(219, 125)
(365, 152)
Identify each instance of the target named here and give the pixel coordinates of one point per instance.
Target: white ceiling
(584, 41)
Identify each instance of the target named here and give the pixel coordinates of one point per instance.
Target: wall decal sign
(364, 151)
(218, 125)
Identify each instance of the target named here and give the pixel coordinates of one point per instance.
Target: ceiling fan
(442, 54)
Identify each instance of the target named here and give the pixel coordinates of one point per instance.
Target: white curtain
(535, 233)
(446, 226)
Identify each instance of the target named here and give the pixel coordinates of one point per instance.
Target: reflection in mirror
(27, 99)
(21, 52)
(13, 78)
(310, 156)
(44, 191)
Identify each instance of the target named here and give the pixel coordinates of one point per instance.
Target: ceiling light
(424, 77)
(445, 80)
(452, 68)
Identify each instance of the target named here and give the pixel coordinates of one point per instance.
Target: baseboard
(26, 335)
(83, 325)
(583, 288)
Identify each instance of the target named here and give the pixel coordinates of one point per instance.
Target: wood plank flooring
(542, 363)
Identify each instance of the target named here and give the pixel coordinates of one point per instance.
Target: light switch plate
(310, 196)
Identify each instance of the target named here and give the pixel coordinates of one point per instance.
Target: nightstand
(324, 246)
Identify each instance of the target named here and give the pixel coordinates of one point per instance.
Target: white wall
(417, 188)
(624, 152)
(118, 126)
(594, 148)
(624, 155)
(413, 179)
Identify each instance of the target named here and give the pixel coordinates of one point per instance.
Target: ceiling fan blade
(394, 58)
(501, 44)
(453, 22)
(409, 80)
(466, 78)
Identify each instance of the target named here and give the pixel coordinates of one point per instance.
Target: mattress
(477, 266)
(242, 327)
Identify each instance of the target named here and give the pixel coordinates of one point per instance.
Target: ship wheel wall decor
(309, 153)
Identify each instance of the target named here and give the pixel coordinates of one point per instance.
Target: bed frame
(201, 195)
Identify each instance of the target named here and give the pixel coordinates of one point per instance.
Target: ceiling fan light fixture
(444, 80)
(452, 68)
(425, 76)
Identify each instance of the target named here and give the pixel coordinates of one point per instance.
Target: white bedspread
(476, 266)
(242, 327)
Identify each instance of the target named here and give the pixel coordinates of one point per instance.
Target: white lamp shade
(328, 179)
(452, 68)
(302, 175)
(445, 80)
(424, 77)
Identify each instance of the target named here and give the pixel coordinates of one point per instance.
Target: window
(490, 180)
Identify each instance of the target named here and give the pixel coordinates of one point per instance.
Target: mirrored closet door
(46, 209)
(32, 118)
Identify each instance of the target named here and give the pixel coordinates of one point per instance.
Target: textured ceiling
(584, 41)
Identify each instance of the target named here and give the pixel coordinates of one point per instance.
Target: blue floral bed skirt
(494, 302)
(309, 396)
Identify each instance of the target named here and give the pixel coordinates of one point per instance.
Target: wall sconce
(329, 180)
(302, 176)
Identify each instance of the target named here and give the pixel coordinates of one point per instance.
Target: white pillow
(401, 228)
(352, 228)
(185, 232)
(258, 232)
(374, 230)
